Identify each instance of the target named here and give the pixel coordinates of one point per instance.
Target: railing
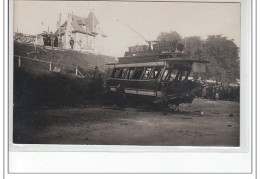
(50, 65)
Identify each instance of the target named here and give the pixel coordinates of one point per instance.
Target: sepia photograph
(126, 73)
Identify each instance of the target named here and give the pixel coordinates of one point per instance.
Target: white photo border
(178, 159)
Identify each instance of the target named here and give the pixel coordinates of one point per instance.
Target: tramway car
(159, 74)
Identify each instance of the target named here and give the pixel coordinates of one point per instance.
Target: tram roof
(155, 58)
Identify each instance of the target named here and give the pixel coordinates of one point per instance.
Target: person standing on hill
(94, 77)
(35, 43)
(52, 40)
(71, 43)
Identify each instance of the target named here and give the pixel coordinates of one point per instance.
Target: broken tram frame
(159, 74)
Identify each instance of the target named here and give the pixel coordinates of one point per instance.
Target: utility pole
(59, 39)
(93, 26)
(93, 20)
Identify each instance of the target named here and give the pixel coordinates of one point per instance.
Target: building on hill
(85, 32)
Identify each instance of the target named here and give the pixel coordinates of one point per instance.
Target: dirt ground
(202, 123)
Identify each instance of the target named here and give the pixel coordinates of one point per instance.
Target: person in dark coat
(71, 43)
(52, 39)
(46, 39)
(56, 41)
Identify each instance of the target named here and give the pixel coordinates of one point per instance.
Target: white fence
(47, 65)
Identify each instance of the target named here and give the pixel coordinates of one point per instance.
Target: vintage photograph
(126, 73)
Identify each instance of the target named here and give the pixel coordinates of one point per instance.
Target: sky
(147, 18)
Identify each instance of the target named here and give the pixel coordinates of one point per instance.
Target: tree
(194, 46)
(169, 36)
(222, 54)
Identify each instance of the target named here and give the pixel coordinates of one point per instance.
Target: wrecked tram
(159, 74)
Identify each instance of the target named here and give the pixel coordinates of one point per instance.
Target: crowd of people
(53, 40)
(231, 93)
(222, 92)
(50, 40)
(44, 39)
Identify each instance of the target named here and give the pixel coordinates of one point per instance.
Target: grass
(36, 86)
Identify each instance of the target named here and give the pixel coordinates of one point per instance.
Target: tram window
(165, 76)
(169, 75)
(124, 73)
(182, 76)
(115, 72)
(156, 72)
(130, 73)
(173, 74)
(138, 73)
(120, 74)
(185, 75)
(146, 73)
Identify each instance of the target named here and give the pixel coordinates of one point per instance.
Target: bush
(54, 90)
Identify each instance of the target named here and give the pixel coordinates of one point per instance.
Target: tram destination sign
(158, 47)
(165, 46)
(138, 49)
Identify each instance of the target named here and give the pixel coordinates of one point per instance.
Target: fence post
(19, 62)
(50, 66)
(76, 71)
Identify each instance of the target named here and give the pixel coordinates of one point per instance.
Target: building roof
(82, 25)
(92, 21)
(62, 30)
(79, 28)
